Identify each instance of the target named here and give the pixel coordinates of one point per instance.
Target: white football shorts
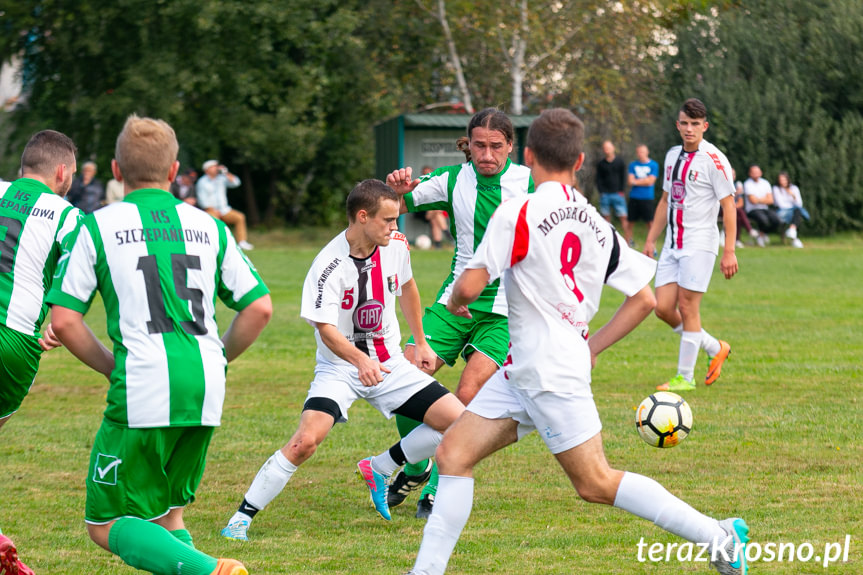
(563, 420)
(690, 269)
(342, 385)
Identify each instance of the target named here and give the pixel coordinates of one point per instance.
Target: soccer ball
(663, 419)
(423, 242)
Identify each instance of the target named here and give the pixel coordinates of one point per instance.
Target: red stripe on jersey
(522, 236)
(565, 191)
(679, 214)
(377, 274)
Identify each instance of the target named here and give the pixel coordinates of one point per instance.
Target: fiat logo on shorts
(368, 315)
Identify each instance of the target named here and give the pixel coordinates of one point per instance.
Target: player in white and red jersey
(349, 298)
(698, 181)
(555, 253)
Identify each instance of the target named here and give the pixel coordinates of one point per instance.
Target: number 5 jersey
(557, 252)
(358, 296)
(159, 265)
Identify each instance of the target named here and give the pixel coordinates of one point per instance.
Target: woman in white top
(789, 204)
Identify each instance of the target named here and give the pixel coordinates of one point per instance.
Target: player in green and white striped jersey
(34, 222)
(159, 265)
(469, 193)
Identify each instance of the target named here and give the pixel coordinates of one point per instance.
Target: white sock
(690, 343)
(421, 443)
(709, 343)
(270, 480)
(417, 445)
(649, 500)
(678, 330)
(384, 464)
(452, 506)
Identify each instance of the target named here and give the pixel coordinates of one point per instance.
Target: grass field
(777, 439)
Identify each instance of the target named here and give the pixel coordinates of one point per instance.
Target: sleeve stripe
(521, 243)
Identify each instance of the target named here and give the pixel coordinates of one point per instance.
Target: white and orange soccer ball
(663, 419)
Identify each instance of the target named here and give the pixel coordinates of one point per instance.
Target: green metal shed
(418, 140)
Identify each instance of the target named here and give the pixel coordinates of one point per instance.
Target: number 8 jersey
(159, 265)
(557, 252)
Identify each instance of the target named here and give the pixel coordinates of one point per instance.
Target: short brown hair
(45, 151)
(556, 139)
(694, 108)
(367, 195)
(145, 150)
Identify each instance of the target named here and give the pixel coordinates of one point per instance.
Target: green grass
(777, 439)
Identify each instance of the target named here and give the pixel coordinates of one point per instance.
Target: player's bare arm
(76, 335)
(466, 289)
(660, 220)
(247, 326)
(631, 312)
(423, 357)
(400, 181)
(368, 369)
(728, 263)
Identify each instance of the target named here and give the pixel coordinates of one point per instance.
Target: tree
(781, 85)
(262, 86)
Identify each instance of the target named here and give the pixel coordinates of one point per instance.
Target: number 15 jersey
(557, 252)
(159, 265)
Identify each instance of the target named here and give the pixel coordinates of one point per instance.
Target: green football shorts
(19, 362)
(450, 335)
(144, 473)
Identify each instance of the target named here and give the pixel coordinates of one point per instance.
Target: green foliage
(278, 90)
(782, 85)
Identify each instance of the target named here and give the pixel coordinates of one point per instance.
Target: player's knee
(664, 311)
(596, 490)
(449, 459)
(99, 534)
(301, 447)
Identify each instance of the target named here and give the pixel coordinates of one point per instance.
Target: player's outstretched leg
(230, 567)
(9, 562)
(150, 547)
(403, 482)
(730, 559)
(377, 484)
(413, 475)
(426, 502)
(714, 366)
(270, 480)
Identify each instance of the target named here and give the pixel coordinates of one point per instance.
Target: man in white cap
(212, 192)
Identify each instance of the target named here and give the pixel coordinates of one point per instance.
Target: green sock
(184, 536)
(151, 547)
(431, 487)
(406, 425)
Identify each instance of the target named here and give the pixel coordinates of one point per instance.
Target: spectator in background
(742, 220)
(642, 176)
(758, 197)
(87, 192)
(611, 181)
(114, 191)
(183, 187)
(212, 196)
(789, 204)
(438, 219)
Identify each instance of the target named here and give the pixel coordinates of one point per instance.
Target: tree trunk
(454, 57)
(519, 48)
